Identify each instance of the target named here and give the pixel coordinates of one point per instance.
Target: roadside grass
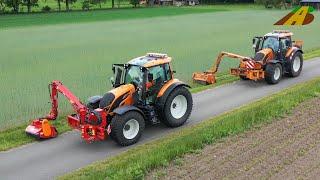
(312, 53)
(14, 137)
(136, 162)
(24, 20)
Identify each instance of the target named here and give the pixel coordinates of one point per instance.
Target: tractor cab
(147, 73)
(279, 41)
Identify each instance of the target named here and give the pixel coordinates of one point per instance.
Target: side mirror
(150, 77)
(112, 81)
(254, 45)
(113, 68)
(174, 71)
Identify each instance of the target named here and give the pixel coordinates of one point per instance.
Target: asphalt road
(51, 158)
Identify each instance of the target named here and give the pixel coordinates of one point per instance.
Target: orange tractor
(275, 55)
(145, 91)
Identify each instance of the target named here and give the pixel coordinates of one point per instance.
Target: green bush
(46, 9)
(85, 5)
(134, 2)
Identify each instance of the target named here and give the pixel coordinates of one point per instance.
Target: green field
(81, 54)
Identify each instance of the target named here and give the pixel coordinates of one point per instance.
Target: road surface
(68, 152)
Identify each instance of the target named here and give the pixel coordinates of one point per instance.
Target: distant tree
(2, 6)
(30, 4)
(96, 2)
(272, 3)
(134, 2)
(59, 4)
(14, 4)
(85, 5)
(69, 2)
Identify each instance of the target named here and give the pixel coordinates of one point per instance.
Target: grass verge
(16, 136)
(136, 162)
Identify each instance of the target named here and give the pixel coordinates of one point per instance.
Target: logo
(299, 16)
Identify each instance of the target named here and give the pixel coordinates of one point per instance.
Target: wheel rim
(131, 129)
(296, 64)
(277, 73)
(179, 106)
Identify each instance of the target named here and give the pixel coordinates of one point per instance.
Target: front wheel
(126, 129)
(177, 108)
(273, 73)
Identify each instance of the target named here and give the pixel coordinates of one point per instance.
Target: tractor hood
(119, 96)
(264, 55)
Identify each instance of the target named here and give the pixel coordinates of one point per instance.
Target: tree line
(15, 6)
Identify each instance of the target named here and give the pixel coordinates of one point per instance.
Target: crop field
(80, 55)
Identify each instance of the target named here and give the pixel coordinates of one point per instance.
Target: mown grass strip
(136, 162)
(16, 136)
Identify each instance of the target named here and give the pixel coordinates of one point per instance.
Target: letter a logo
(299, 16)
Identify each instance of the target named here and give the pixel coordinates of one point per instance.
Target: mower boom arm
(54, 88)
(215, 67)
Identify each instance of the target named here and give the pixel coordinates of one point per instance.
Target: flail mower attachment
(204, 77)
(209, 76)
(41, 129)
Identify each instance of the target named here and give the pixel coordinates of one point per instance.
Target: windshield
(127, 74)
(271, 42)
(133, 75)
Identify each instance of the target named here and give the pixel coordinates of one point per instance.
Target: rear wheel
(177, 108)
(273, 73)
(295, 65)
(126, 129)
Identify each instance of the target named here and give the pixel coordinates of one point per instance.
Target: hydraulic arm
(208, 77)
(54, 88)
(92, 123)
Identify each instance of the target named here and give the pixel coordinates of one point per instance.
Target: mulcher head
(204, 78)
(41, 129)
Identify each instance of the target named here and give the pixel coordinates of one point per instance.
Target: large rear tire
(295, 65)
(177, 108)
(273, 73)
(126, 129)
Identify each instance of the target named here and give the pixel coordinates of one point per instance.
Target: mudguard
(123, 109)
(293, 52)
(274, 61)
(162, 99)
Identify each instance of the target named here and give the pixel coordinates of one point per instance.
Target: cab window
(271, 42)
(158, 74)
(167, 70)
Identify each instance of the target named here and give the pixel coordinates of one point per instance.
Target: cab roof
(279, 33)
(150, 59)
